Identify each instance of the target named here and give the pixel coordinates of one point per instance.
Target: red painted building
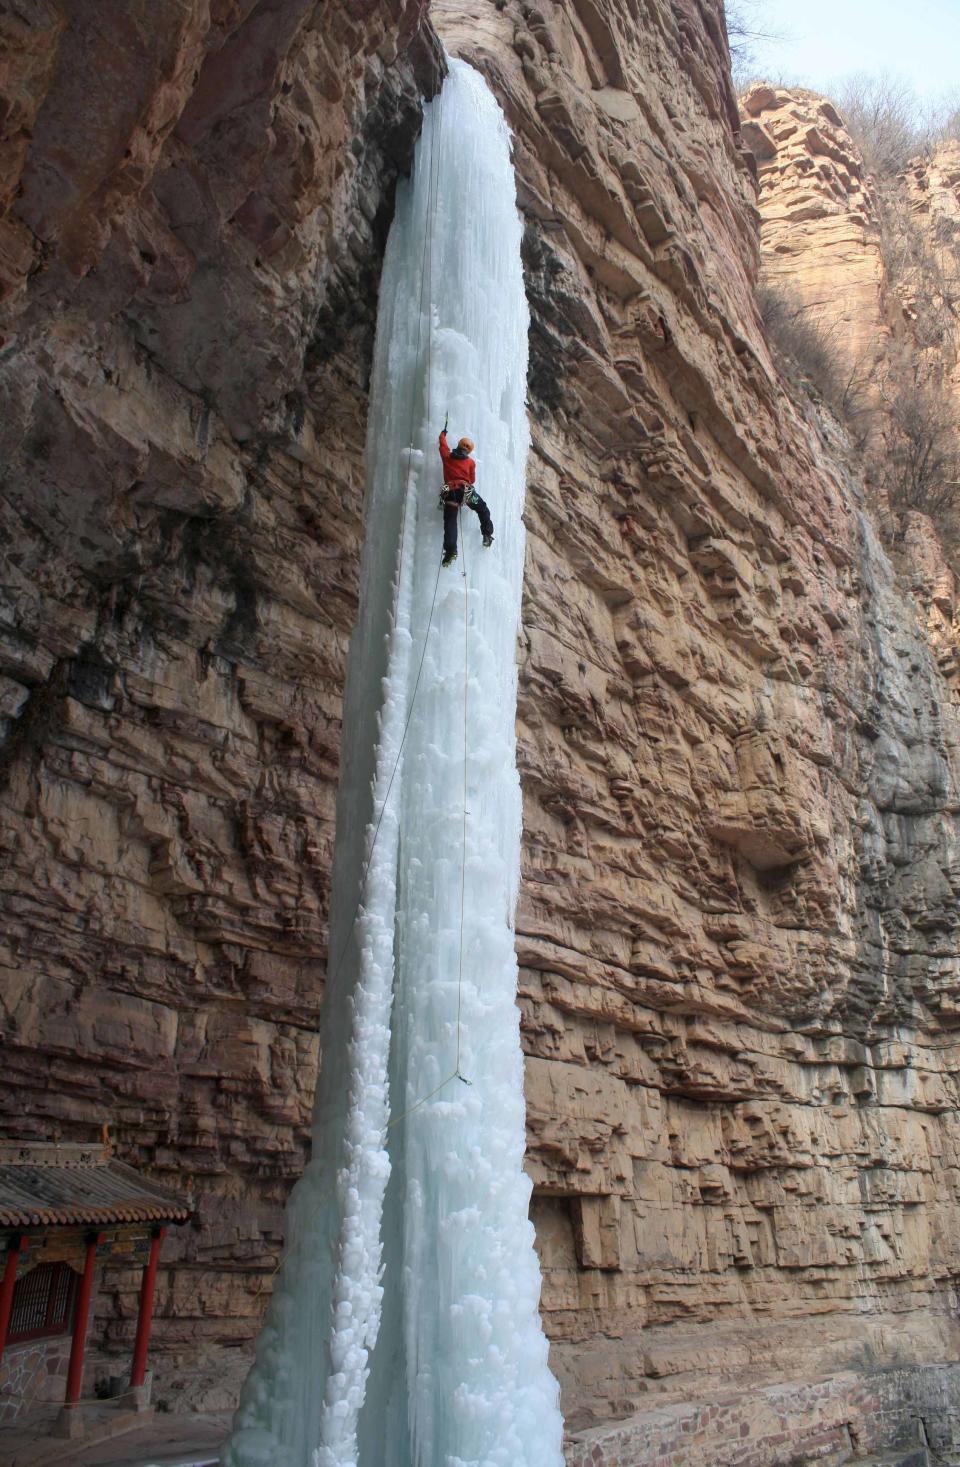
(64, 1212)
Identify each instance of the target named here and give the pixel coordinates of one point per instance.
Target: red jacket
(456, 470)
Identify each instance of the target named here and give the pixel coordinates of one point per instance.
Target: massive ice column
(404, 1329)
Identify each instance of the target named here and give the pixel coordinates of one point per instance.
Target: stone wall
(33, 1374)
(737, 929)
(911, 1417)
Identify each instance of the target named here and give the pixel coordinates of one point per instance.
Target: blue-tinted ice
(404, 1329)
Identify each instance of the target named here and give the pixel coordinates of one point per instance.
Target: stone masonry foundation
(914, 1412)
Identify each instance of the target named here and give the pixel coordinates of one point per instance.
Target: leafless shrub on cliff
(744, 29)
(922, 262)
(886, 120)
(923, 452)
(947, 125)
(945, 233)
(803, 342)
(890, 124)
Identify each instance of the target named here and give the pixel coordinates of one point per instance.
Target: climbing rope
(433, 184)
(426, 278)
(426, 265)
(463, 854)
(455, 1073)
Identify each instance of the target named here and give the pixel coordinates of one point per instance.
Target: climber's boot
(449, 556)
(487, 541)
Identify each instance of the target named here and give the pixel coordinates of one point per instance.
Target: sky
(820, 41)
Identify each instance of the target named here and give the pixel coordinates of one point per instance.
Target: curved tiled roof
(62, 1185)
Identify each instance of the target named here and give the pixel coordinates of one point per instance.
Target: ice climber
(459, 473)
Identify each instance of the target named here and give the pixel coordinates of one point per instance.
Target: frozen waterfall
(404, 1330)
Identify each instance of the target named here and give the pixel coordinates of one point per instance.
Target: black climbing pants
(452, 500)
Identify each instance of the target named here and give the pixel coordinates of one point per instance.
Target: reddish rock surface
(203, 198)
(738, 746)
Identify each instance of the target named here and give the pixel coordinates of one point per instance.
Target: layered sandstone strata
(930, 287)
(737, 924)
(820, 221)
(739, 753)
(192, 248)
(871, 265)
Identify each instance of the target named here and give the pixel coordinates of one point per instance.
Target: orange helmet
(466, 444)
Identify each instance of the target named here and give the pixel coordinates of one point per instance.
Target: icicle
(404, 1329)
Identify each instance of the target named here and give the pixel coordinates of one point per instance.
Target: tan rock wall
(204, 195)
(820, 222)
(930, 288)
(735, 929)
(872, 267)
(739, 757)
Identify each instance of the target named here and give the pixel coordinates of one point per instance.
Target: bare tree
(890, 123)
(886, 121)
(947, 122)
(923, 457)
(744, 29)
(804, 342)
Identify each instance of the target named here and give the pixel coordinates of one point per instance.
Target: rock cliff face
(820, 220)
(931, 293)
(738, 737)
(875, 263)
(191, 253)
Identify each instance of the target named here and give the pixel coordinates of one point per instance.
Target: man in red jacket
(459, 473)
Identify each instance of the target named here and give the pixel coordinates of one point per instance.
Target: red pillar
(79, 1341)
(145, 1315)
(17, 1247)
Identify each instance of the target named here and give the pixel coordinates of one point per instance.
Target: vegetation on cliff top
(914, 452)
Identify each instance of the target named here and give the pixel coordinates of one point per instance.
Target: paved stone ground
(166, 1441)
(33, 1440)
